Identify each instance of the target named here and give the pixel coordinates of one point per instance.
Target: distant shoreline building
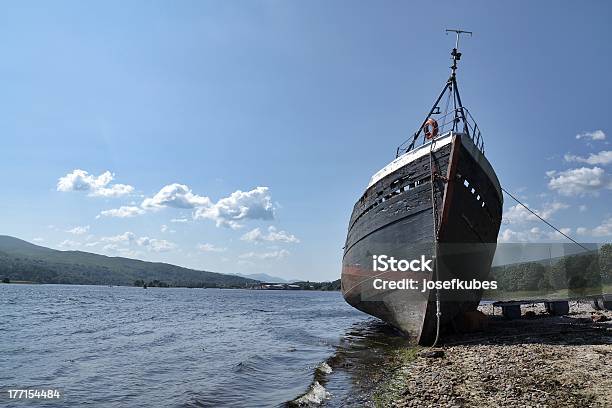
(276, 286)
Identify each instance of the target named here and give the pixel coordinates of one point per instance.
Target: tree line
(576, 273)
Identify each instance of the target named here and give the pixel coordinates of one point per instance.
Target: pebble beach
(538, 360)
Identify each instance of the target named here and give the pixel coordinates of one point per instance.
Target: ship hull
(396, 217)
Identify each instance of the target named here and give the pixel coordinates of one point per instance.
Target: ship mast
(453, 92)
(452, 81)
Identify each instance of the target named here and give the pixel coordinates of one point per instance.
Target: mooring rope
(546, 222)
(434, 211)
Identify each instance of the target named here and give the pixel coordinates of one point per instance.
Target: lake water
(122, 346)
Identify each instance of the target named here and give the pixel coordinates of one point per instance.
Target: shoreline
(168, 287)
(538, 360)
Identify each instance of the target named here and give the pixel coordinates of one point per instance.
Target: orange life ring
(431, 128)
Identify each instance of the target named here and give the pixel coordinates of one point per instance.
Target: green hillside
(23, 261)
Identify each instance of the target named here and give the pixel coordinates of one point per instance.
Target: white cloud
(100, 186)
(550, 208)
(603, 158)
(554, 235)
(602, 230)
(579, 181)
(68, 244)
(211, 248)
(38, 239)
(594, 135)
(179, 220)
(273, 235)
(517, 214)
(155, 245)
(78, 230)
(125, 244)
(164, 228)
(129, 239)
(122, 212)
(176, 196)
(509, 235)
(582, 208)
(265, 255)
(229, 211)
(125, 237)
(531, 235)
(254, 204)
(253, 236)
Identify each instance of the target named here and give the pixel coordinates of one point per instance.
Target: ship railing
(458, 120)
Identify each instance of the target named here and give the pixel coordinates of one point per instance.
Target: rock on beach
(536, 361)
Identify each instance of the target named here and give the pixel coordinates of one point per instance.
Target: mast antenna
(455, 52)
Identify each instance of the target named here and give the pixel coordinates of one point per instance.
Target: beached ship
(439, 197)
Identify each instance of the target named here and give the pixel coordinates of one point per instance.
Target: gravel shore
(535, 361)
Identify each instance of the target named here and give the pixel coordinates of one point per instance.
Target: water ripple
(120, 346)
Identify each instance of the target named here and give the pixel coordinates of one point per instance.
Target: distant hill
(264, 277)
(21, 260)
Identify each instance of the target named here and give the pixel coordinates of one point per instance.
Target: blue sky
(258, 124)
